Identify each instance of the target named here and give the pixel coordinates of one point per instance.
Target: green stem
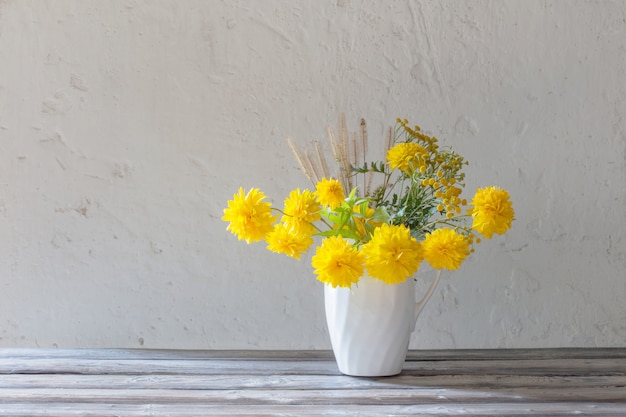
(448, 222)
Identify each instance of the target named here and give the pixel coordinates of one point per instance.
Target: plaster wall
(126, 125)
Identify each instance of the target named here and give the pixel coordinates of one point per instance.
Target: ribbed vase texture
(370, 325)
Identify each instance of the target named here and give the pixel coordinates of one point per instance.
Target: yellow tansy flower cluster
(450, 201)
(430, 142)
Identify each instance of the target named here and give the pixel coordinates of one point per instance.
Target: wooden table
(104, 382)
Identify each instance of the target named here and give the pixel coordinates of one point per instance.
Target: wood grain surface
(127, 382)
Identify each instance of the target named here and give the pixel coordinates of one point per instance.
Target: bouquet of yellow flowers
(382, 217)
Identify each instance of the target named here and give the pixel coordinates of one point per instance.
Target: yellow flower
(406, 156)
(301, 210)
(250, 218)
(361, 223)
(329, 193)
(392, 254)
(337, 262)
(453, 192)
(445, 249)
(492, 211)
(282, 240)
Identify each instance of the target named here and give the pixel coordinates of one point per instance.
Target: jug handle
(420, 304)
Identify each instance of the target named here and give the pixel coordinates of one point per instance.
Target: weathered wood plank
(318, 396)
(569, 409)
(156, 354)
(284, 355)
(113, 382)
(563, 367)
(163, 366)
(293, 382)
(516, 354)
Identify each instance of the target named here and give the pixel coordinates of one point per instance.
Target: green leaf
(380, 215)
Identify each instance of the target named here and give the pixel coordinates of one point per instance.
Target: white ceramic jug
(370, 324)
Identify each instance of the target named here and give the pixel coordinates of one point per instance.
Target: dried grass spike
(355, 151)
(315, 175)
(321, 160)
(389, 141)
(300, 158)
(364, 139)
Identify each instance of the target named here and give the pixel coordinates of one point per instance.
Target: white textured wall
(125, 126)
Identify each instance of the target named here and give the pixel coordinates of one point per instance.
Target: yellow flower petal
(301, 211)
(337, 262)
(283, 240)
(492, 211)
(406, 156)
(445, 249)
(250, 218)
(329, 192)
(392, 254)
